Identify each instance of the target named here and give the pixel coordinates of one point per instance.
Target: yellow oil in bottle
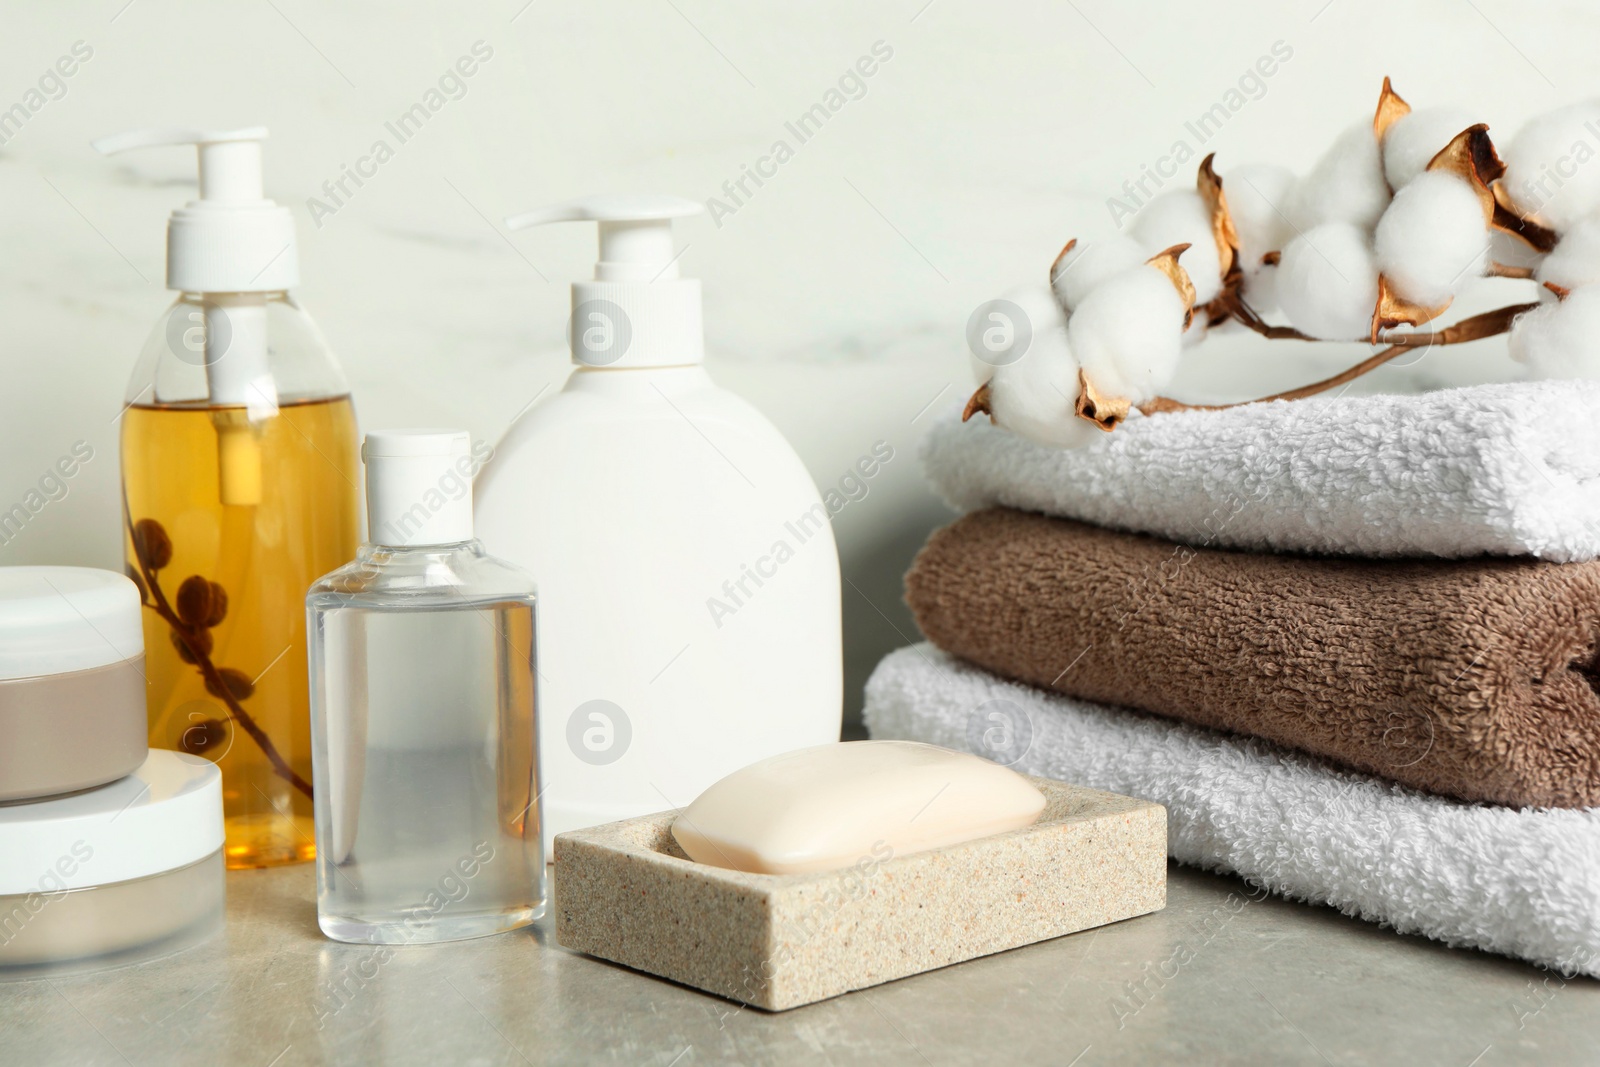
(227, 524)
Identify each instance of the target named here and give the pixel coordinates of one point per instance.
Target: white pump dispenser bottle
(689, 619)
(239, 475)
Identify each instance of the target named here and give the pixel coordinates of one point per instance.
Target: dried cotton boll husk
(1561, 340)
(1552, 166)
(1576, 260)
(1084, 264)
(1416, 138)
(1433, 239)
(1128, 333)
(1182, 217)
(1328, 282)
(1035, 397)
(1346, 185)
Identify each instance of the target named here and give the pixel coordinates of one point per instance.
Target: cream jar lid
(55, 620)
(165, 815)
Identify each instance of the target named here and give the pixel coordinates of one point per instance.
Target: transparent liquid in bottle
(427, 779)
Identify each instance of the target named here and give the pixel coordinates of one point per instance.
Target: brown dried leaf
(200, 737)
(153, 545)
(1105, 412)
(1505, 218)
(194, 600)
(1271, 259)
(240, 687)
(1222, 229)
(1055, 267)
(219, 605)
(1470, 156)
(1391, 109)
(1166, 261)
(1392, 311)
(188, 644)
(1561, 291)
(979, 401)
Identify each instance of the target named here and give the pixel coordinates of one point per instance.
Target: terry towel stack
(1446, 671)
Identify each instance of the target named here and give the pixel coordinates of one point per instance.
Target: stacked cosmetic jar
(109, 851)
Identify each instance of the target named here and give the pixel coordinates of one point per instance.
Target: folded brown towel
(1471, 678)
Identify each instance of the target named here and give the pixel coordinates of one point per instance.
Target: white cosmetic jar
(115, 874)
(72, 686)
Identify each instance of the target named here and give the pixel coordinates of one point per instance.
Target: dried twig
(216, 684)
(1474, 328)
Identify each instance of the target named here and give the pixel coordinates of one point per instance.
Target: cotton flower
(1576, 260)
(1036, 396)
(1414, 139)
(1259, 195)
(1328, 282)
(1561, 340)
(1552, 169)
(1181, 216)
(1346, 185)
(1433, 239)
(1085, 264)
(1128, 333)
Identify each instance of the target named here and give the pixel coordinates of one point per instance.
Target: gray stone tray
(626, 892)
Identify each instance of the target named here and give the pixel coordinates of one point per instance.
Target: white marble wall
(836, 292)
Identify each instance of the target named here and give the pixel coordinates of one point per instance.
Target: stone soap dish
(626, 892)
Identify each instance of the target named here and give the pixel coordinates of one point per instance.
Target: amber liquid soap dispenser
(239, 480)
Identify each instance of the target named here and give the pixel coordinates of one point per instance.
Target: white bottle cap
(54, 620)
(165, 815)
(636, 312)
(230, 240)
(419, 487)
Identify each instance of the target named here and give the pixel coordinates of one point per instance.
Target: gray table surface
(1227, 977)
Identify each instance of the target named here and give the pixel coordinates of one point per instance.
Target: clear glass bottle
(236, 500)
(423, 701)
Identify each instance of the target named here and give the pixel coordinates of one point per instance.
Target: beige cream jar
(72, 710)
(115, 874)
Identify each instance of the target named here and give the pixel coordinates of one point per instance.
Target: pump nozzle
(230, 160)
(229, 239)
(231, 246)
(635, 280)
(635, 231)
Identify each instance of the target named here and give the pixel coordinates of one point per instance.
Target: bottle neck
(376, 552)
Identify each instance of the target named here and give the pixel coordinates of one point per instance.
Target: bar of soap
(824, 808)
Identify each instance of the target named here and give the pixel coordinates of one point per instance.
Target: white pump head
(637, 312)
(231, 239)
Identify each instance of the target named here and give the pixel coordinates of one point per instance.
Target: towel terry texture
(1520, 883)
(1506, 469)
(1470, 678)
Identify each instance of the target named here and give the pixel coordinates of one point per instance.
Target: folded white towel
(1508, 469)
(1521, 883)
